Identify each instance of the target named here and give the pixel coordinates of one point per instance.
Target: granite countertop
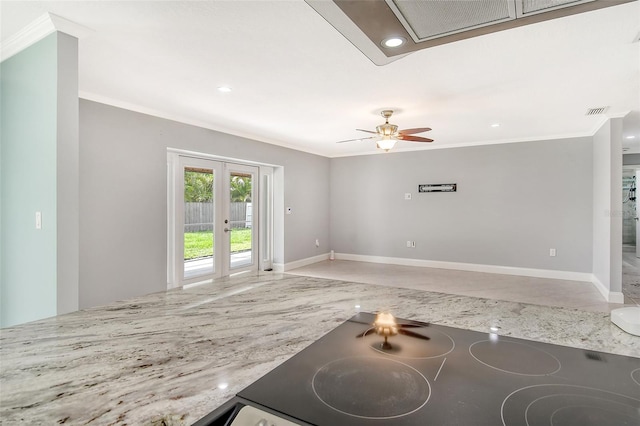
(170, 358)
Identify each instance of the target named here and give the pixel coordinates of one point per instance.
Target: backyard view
(200, 244)
(199, 207)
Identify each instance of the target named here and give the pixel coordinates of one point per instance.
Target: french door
(215, 220)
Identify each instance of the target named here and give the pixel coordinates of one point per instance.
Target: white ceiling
(298, 82)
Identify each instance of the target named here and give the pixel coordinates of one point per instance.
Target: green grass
(200, 244)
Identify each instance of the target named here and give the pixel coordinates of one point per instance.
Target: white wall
(123, 196)
(514, 202)
(607, 210)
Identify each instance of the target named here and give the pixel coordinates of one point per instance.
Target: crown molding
(39, 29)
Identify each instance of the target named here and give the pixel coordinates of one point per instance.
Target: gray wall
(514, 202)
(67, 176)
(39, 163)
(631, 159)
(123, 197)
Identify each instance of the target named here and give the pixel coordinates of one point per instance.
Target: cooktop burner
(377, 388)
(635, 375)
(436, 375)
(508, 357)
(558, 404)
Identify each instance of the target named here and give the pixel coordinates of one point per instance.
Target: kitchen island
(172, 357)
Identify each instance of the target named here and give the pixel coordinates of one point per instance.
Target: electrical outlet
(317, 242)
(409, 244)
(38, 220)
(552, 252)
(407, 196)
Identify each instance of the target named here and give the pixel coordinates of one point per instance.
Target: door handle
(227, 230)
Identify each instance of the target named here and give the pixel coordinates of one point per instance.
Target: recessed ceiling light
(393, 41)
(224, 89)
(495, 125)
(631, 137)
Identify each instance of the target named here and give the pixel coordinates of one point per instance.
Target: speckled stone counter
(172, 357)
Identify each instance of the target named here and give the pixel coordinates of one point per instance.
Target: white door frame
(178, 219)
(262, 243)
(226, 255)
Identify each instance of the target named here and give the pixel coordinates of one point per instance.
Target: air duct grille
(596, 111)
(430, 19)
(535, 6)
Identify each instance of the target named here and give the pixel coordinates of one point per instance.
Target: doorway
(214, 219)
(630, 235)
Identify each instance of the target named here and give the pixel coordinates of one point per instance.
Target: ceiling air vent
(430, 19)
(596, 111)
(527, 7)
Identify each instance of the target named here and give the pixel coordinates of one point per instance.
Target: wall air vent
(597, 111)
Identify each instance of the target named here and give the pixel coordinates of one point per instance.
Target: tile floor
(538, 291)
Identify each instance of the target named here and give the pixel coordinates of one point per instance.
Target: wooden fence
(199, 216)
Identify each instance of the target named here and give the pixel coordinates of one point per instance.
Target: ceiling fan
(388, 134)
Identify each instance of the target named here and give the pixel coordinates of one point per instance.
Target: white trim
(300, 263)
(427, 147)
(214, 127)
(473, 267)
(39, 29)
(195, 154)
(69, 27)
(32, 33)
(609, 296)
(189, 121)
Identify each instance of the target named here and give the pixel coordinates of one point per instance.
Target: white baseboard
(609, 296)
(302, 262)
(472, 267)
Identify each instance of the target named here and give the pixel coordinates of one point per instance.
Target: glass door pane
(240, 219)
(241, 226)
(199, 230)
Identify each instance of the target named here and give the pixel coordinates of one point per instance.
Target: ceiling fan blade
(413, 131)
(369, 331)
(410, 325)
(412, 334)
(357, 139)
(367, 131)
(413, 138)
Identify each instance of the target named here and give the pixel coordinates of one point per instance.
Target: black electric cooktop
(437, 375)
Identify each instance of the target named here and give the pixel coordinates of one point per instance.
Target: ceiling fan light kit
(388, 134)
(386, 143)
